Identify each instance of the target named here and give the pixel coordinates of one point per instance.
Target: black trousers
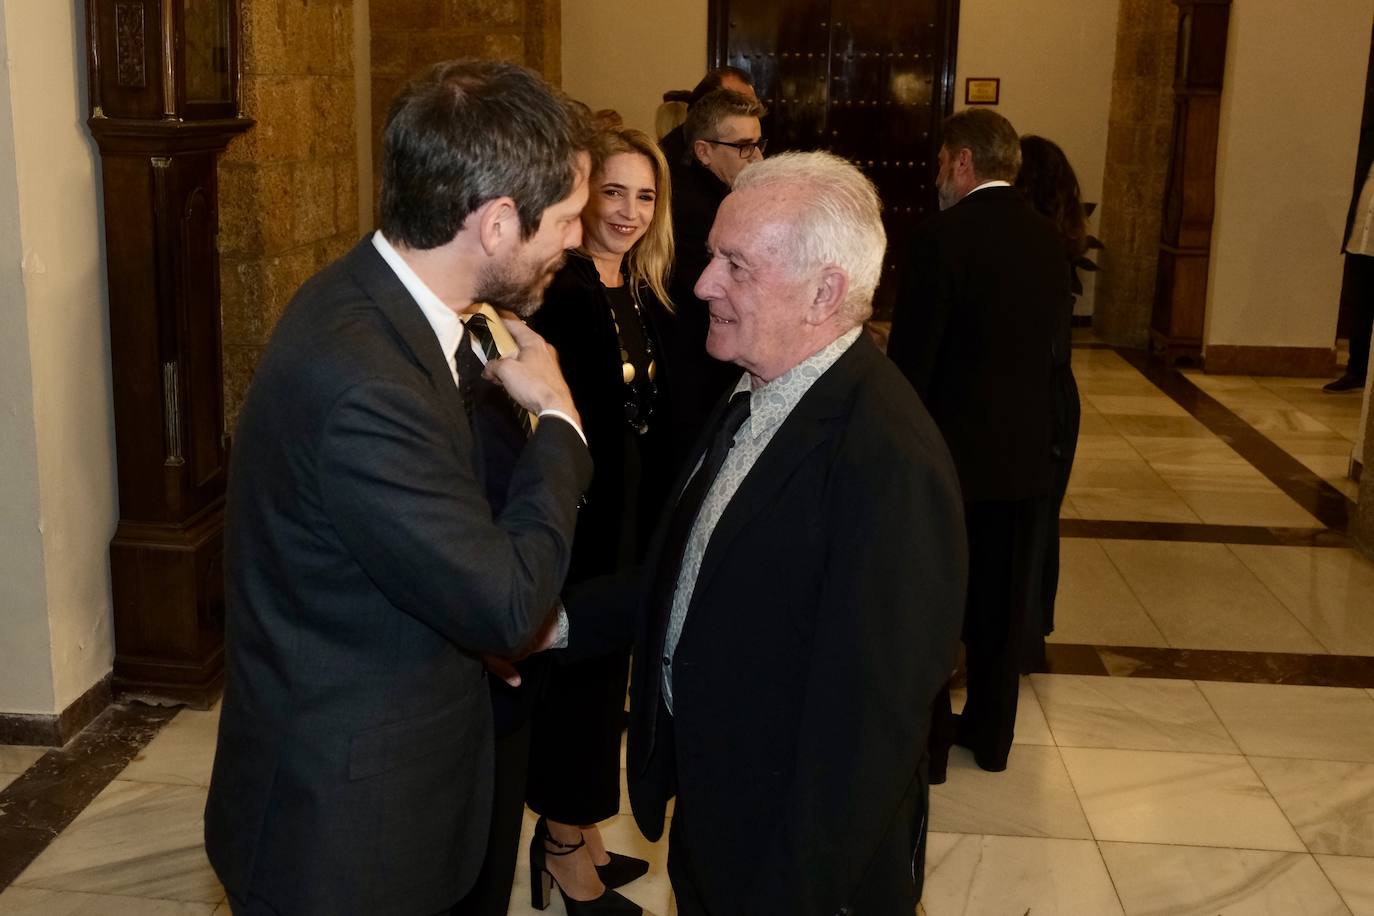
(681, 873)
(1001, 611)
(490, 896)
(1358, 295)
(574, 774)
(1067, 418)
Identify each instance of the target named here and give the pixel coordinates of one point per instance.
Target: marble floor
(1201, 743)
(1317, 428)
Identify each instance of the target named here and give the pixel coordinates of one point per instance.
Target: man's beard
(517, 285)
(947, 194)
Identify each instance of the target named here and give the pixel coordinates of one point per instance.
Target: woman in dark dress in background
(1049, 184)
(607, 313)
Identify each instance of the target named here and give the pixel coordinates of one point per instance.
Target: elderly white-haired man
(802, 602)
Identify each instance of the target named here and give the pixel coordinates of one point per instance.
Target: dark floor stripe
(1329, 505)
(1123, 530)
(1067, 658)
(1091, 345)
(40, 804)
(1214, 665)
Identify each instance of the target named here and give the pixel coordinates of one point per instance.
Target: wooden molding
(1178, 316)
(56, 730)
(1296, 362)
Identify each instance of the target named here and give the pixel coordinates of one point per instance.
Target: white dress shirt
(995, 183)
(447, 324)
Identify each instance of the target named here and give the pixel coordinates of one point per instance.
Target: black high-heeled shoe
(621, 870)
(542, 880)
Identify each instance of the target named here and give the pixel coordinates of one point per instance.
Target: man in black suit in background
(972, 330)
(366, 570)
(723, 135)
(674, 142)
(802, 603)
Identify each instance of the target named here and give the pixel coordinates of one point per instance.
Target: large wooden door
(869, 80)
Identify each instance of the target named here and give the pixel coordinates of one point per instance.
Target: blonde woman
(608, 314)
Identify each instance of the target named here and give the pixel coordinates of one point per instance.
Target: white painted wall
(26, 683)
(1055, 59)
(1290, 120)
(57, 294)
(624, 54)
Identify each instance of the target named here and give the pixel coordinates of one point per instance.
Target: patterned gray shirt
(769, 406)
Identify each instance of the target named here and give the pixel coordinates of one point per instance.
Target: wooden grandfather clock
(164, 91)
(1185, 247)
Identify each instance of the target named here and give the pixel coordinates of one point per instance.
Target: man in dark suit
(674, 142)
(802, 605)
(366, 570)
(723, 136)
(972, 331)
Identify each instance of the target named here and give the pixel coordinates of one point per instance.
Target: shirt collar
(770, 404)
(447, 326)
(995, 183)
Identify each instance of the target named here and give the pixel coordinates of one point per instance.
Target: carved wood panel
(865, 79)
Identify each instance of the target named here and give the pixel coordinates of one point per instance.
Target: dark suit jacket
(498, 440)
(365, 570)
(700, 379)
(823, 622)
(1364, 157)
(973, 331)
(674, 146)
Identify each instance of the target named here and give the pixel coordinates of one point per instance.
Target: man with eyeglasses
(723, 135)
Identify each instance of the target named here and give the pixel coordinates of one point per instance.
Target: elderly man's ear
(831, 289)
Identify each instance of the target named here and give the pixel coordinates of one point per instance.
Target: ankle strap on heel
(563, 849)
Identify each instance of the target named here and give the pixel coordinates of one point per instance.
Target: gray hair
(989, 138)
(840, 221)
(705, 115)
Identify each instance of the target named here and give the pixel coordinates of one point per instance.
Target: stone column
(410, 35)
(289, 189)
(1139, 129)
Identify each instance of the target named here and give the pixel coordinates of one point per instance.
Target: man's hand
(531, 375)
(503, 668)
(546, 638)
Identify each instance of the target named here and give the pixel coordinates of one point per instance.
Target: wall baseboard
(1298, 362)
(56, 730)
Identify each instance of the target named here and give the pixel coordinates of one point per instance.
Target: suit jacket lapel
(400, 309)
(809, 426)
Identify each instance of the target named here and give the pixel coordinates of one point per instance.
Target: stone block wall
(410, 35)
(289, 187)
(1140, 129)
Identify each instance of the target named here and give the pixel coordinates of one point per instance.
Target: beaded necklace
(640, 394)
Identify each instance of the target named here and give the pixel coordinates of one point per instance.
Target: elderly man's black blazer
(823, 622)
(365, 572)
(973, 329)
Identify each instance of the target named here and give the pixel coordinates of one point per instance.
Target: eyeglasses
(744, 147)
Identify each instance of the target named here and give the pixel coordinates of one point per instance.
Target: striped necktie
(476, 325)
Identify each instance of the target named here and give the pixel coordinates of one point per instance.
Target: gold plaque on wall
(982, 90)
